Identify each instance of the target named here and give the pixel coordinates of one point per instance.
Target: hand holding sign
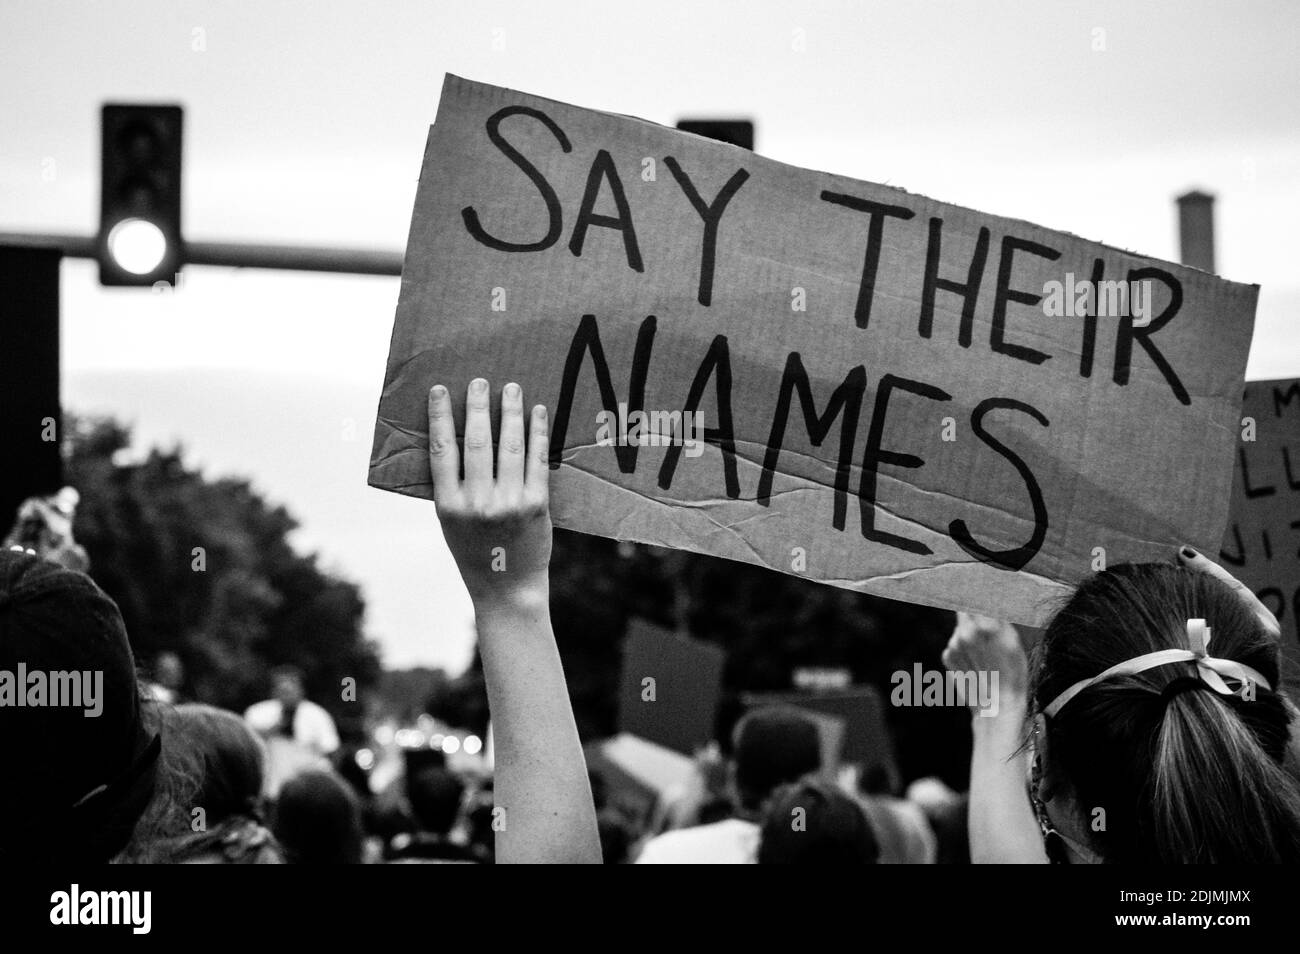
(498, 529)
(983, 644)
(1201, 564)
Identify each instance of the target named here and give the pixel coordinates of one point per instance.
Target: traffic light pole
(29, 367)
(296, 258)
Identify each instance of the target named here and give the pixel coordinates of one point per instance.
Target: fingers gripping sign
(1199, 563)
(495, 519)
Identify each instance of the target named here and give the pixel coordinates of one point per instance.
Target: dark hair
(212, 761)
(318, 820)
(435, 795)
(167, 817)
(772, 746)
(814, 823)
(1182, 777)
(225, 754)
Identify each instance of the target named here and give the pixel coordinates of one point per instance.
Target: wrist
(524, 597)
(1012, 710)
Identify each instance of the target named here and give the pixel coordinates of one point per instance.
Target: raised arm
(499, 531)
(1003, 829)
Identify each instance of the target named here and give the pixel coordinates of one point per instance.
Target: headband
(1209, 669)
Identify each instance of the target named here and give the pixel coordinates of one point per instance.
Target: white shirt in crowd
(312, 725)
(730, 842)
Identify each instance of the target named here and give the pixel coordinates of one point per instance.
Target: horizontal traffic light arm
(294, 258)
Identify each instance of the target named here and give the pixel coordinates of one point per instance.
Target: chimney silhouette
(1196, 229)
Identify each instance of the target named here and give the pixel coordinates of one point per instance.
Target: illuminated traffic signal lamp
(738, 132)
(139, 240)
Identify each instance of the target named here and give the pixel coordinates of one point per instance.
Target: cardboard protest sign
(1261, 546)
(638, 774)
(863, 736)
(670, 687)
(835, 379)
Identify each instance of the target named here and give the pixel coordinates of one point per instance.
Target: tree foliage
(205, 568)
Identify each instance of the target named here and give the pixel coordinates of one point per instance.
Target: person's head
(225, 753)
(1157, 766)
(435, 796)
(811, 822)
(318, 820)
(168, 670)
(80, 755)
(772, 746)
(208, 807)
(287, 685)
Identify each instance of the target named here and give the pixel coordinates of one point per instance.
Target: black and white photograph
(792, 432)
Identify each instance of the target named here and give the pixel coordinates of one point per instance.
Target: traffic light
(139, 240)
(738, 132)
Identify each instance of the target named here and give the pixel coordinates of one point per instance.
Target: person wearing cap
(75, 785)
(773, 746)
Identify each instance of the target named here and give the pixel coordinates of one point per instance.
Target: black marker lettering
(602, 168)
(1016, 558)
(847, 398)
(969, 291)
(587, 340)
(712, 215)
(1127, 333)
(554, 214)
(874, 456)
(875, 231)
(1005, 293)
(1267, 490)
(1089, 346)
(716, 365)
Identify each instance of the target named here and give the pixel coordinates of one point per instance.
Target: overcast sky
(306, 121)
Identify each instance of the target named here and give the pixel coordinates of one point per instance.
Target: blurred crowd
(1151, 725)
(157, 778)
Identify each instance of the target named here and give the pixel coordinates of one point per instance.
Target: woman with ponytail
(1152, 729)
